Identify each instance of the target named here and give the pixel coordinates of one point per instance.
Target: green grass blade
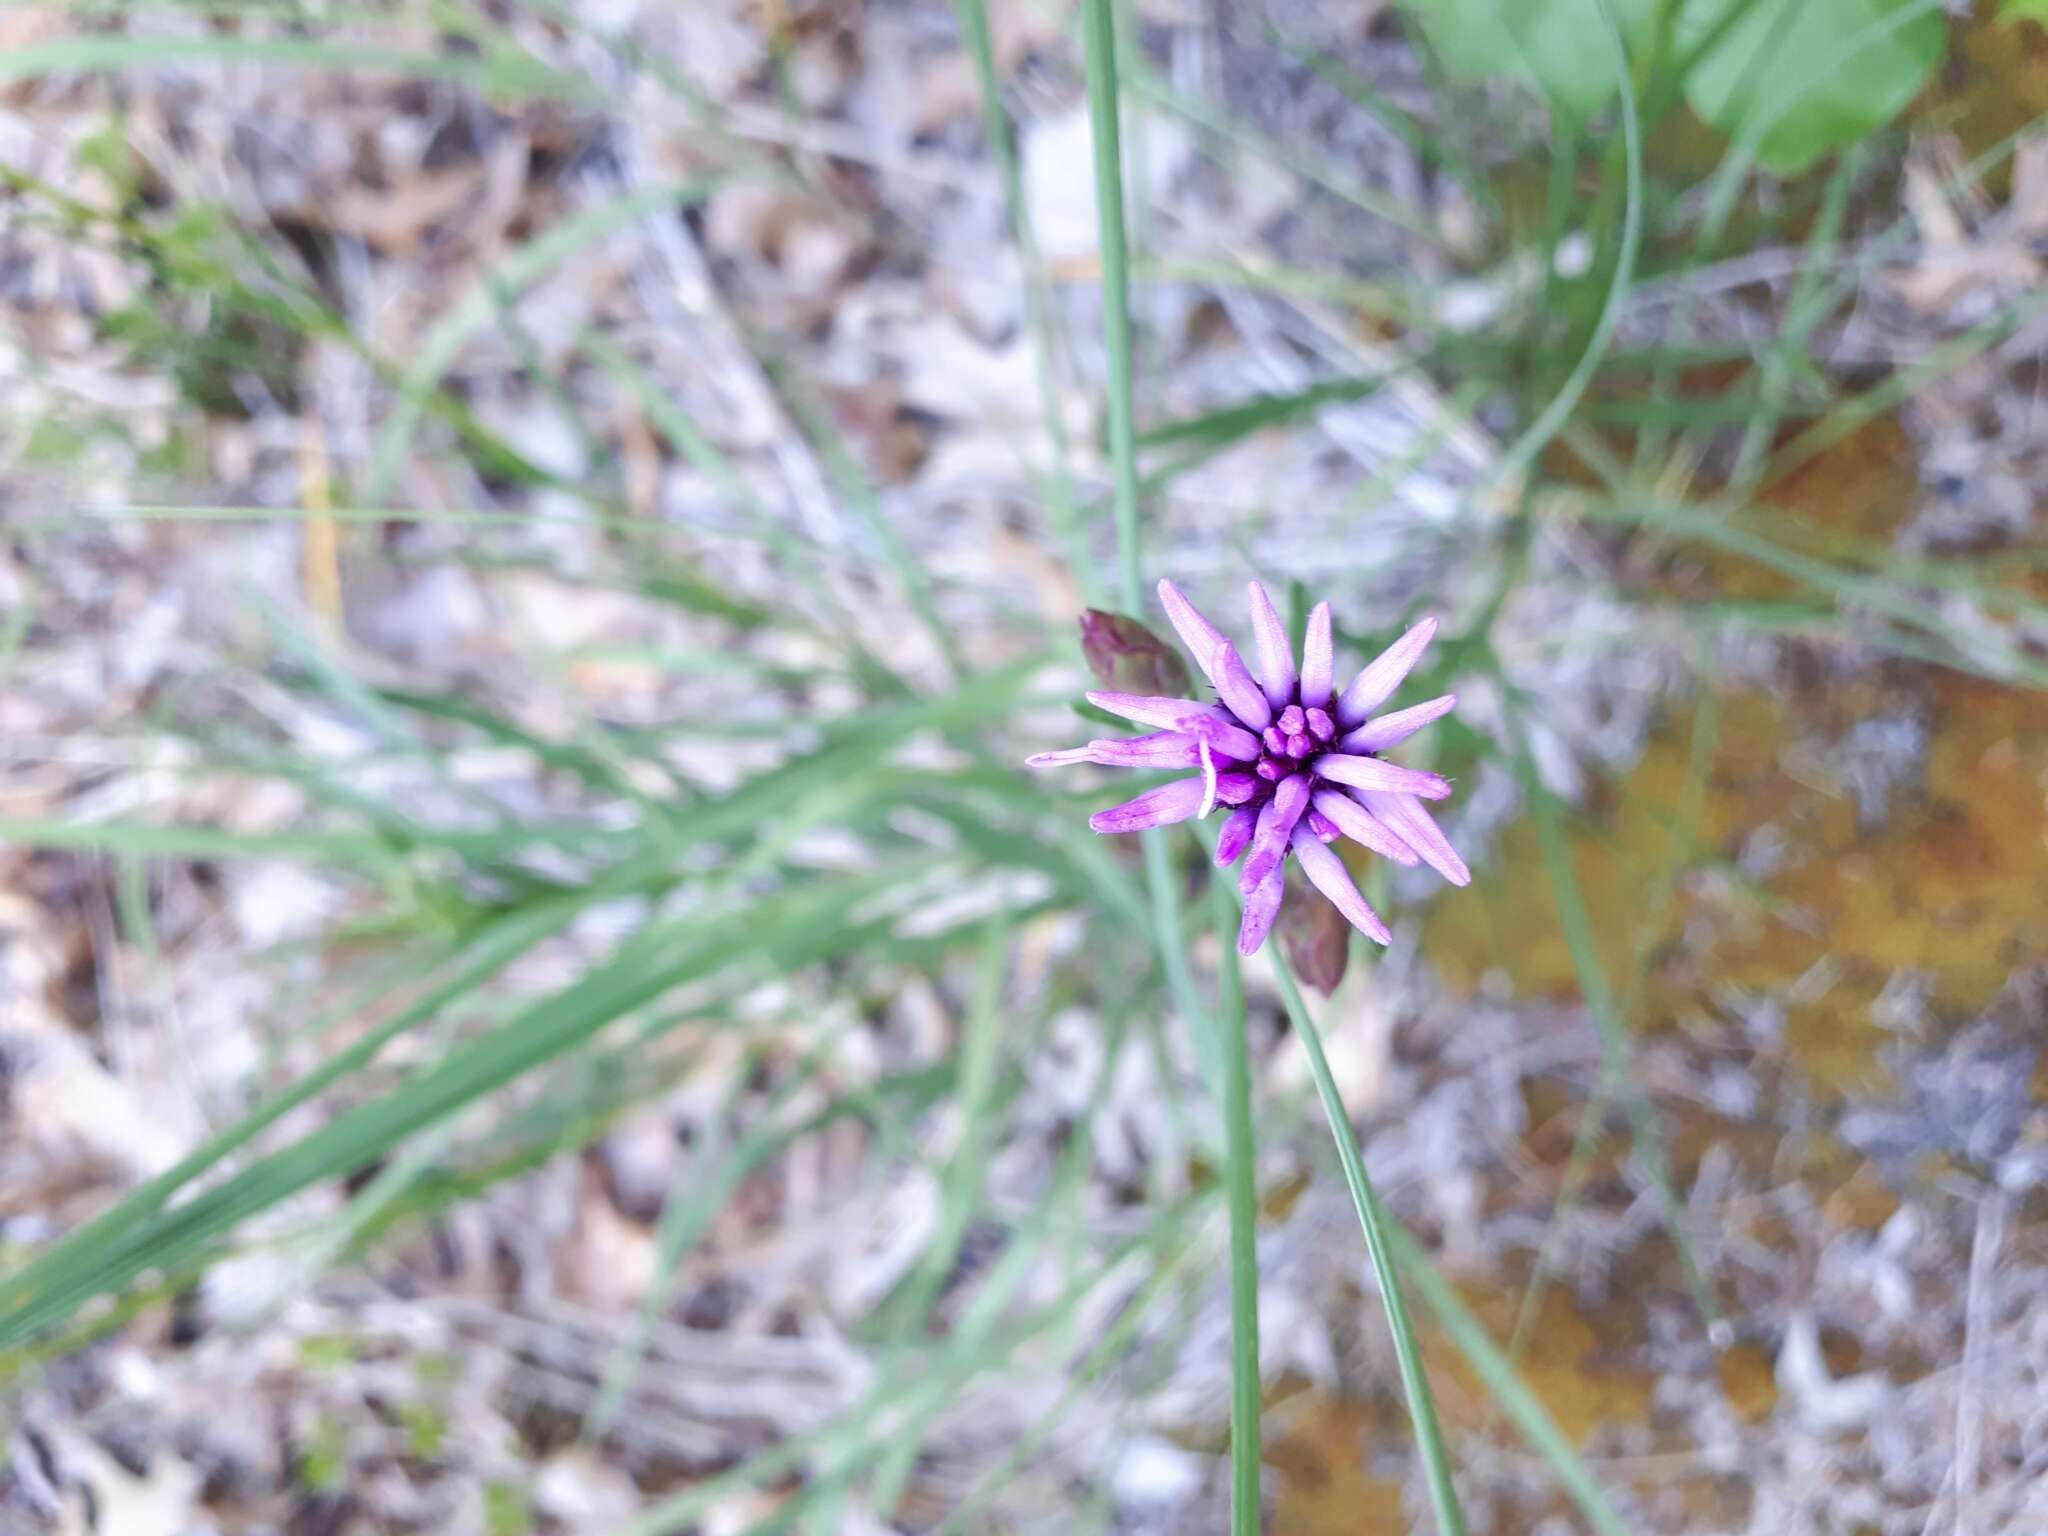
(1099, 39)
(1064, 505)
(1429, 1435)
(513, 276)
(503, 71)
(1684, 825)
(1506, 1388)
(1536, 437)
(1577, 925)
(1240, 1173)
(1098, 32)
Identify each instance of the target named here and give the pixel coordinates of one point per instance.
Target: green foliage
(1799, 78)
(508, 1510)
(425, 1426)
(323, 1464)
(448, 908)
(1553, 45)
(1803, 77)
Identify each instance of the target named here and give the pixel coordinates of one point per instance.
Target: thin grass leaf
(1504, 1385)
(1241, 1193)
(858, 492)
(693, 1202)
(1099, 46)
(1803, 313)
(1061, 500)
(1577, 925)
(793, 928)
(71, 1268)
(1372, 1220)
(937, 1377)
(1536, 437)
(1098, 32)
(513, 276)
(1213, 431)
(1176, 1257)
(1684, 826)
(503, 71)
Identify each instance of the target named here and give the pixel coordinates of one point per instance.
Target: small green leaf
(1554, 45)
(323, 1467)
(426, 1429)
(507, 1510)
(1808, 76)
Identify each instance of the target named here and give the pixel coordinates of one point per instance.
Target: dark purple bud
(1320, 725)
(1292, 722)
(1126, 657)
(1270, 771)
(1316, 937)
(1276, 741)
(1299, 745)
(1323, 827)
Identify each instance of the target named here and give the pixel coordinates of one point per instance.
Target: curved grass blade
(1429, 1435)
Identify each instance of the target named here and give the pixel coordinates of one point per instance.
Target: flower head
(1295, 762)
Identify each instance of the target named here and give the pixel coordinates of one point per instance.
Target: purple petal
(1064, 758)
(1371, 773)
(1161, 749)
(1276, 656)
(1378, 735)
(1232, 741)
(1236, 788)
(1196, 632)
(1318, 660)
(1237, 831)
(1241, 695)
(1406, 818)
(1276, 825)
(1261, 906)
(1156, 710)
(1159, 807)
(1326, 830)
(1376, 684)
(1362, 827)
(1328, 874)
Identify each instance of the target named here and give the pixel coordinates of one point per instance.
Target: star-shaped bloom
(1296, 763)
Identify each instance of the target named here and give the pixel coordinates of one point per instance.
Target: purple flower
(1296, 762)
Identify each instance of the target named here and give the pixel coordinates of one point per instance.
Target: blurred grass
(468, 903)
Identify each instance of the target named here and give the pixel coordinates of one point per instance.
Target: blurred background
(536, 996)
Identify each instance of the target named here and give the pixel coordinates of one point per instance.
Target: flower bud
(1126, 656)
(1317, 937)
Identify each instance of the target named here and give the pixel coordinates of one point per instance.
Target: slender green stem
(1098, 35)
(1534, 1420)
(1242, 1194)
(1429, 1435)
